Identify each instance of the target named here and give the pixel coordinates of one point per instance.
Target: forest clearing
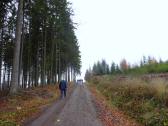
(144, 101)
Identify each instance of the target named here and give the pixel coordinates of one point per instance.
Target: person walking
(63, 88)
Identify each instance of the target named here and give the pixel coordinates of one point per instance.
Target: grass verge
(147, 102)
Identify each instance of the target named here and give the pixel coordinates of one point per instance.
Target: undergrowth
(16, 109)
(147, 102)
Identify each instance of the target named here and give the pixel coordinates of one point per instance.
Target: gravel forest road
(75, 110)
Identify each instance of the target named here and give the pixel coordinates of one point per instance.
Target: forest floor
(81, 107)
(26, 105)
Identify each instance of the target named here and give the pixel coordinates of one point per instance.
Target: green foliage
(7, 123)
(147, 66)
(156, 118)
(49, 46)
(100, 68)
(88, 75)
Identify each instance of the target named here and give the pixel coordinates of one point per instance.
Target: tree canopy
(147, 65)
(49, 47)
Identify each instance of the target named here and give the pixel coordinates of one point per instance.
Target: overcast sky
(117, 29)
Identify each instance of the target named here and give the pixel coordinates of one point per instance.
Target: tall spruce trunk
(52, 61)
(21, 53)
(8, 77)
(15, 72)
(69, 74)
(36, 71)
(43, 77)
(4, 76)
(1, 52)
(56, 62)
(1, 56)
(59, 63)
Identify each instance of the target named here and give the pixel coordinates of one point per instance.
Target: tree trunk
(59, 63)
(1, 55)
(29, 79)
(36, 72)
(56, 62)
(15, 72)
(1, 52)
(3, 81)
(68, 74)
(8, 80)
(52, 57)
(4, 75)
(29, 74)
(21, 52)
(43, 78)
(71, 74)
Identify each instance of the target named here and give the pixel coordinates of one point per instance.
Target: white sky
(117, 29)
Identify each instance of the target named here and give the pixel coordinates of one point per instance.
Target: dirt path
(77, 110)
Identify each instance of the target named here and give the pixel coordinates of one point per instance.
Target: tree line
(38, 44)
(147, 65)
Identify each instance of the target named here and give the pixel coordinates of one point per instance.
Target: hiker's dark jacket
(62, 85)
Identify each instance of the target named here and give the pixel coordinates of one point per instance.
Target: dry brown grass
(14, 110)
(145, 101)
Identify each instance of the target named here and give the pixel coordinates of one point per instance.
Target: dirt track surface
(77, 110)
